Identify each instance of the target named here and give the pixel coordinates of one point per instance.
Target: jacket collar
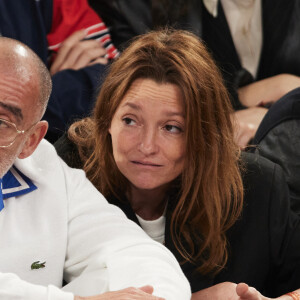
(212, 7)
(14, 183)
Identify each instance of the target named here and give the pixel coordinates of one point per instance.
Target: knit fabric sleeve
(73, 15)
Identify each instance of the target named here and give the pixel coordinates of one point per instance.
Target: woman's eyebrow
(16, 111)
(131, 105)
(168, 113)
(174, 113)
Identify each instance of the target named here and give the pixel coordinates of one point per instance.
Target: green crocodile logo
(37, 265)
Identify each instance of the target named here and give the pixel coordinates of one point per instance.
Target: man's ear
(39, 131)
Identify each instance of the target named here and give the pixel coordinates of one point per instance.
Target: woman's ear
(37, 134)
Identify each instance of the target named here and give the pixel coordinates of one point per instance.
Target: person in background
(160, 145)
(54, 224)
(255, 44)
(73, 42)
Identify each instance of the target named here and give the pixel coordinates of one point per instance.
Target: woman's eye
(173, 128)
(128, 121)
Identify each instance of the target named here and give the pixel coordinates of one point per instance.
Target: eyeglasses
(9, 133)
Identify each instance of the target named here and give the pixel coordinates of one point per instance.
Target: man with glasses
(54, 225)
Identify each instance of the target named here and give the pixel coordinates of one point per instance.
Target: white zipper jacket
(65, 229)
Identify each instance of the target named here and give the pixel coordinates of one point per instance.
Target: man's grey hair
(11, 58)
(45, 83)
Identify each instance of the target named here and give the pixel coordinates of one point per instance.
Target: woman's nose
(148, 142)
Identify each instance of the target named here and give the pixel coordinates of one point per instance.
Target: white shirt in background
(244, 18)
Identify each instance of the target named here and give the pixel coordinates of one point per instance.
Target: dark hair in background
(168, 12)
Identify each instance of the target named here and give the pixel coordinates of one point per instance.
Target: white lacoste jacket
(68, 225)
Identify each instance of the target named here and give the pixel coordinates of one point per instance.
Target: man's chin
(3, 172)
(6, 165)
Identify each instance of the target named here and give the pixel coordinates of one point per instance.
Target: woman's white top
(154, 228)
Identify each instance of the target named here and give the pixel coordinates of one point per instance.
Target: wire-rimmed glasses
(9, 133)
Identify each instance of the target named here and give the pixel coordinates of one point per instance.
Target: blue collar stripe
(14, 183)
(1, 197)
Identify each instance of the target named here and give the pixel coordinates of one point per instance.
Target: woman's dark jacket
(264, 244)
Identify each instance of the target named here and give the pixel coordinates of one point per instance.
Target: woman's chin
(147, 184)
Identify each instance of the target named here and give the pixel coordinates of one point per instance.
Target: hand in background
(143, 293)
(249, 293)
(232, 291)
(75, 53)
(245, 292)
(221, 291)
(246, 123)
(267, 90)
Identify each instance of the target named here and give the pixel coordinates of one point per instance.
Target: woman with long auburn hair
(160, 145)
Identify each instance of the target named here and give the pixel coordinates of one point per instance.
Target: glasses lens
(8, 133)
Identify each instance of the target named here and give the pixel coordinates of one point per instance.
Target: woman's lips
(146, 163)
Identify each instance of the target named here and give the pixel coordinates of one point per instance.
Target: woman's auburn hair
(210, 187)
